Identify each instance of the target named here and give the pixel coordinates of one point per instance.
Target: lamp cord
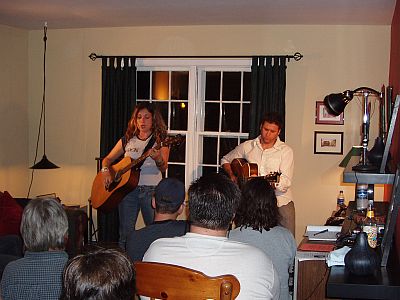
(42, 113)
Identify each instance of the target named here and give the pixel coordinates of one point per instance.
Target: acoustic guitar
(245, 171)
(125, 176)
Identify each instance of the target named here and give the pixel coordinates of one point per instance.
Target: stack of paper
(322, 233)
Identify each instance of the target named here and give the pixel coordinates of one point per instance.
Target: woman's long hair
(159, 128)
(258, 206)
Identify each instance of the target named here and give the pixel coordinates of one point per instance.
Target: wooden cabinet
(311, 274)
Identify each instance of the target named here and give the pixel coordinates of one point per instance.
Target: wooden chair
(165, 281)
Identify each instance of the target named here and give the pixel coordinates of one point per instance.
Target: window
(207, 101)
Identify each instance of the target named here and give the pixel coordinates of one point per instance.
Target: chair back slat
(166, 281)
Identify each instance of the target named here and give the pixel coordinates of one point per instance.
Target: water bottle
(340, 201)
(361, 196)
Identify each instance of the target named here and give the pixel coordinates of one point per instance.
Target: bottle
(340, 201)
(370, 227)
(361, 196)
(370, 194)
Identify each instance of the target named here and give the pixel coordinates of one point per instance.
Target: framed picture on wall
(323, 117)
(326, 142)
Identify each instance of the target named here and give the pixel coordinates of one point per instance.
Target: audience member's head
(106, 274)
(213, 200)
(258, 206)
(44, 225)
(169, 196)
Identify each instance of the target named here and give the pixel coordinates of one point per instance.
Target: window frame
(197, 73)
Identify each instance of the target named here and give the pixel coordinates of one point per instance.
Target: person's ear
(181, 208)
(153, 202)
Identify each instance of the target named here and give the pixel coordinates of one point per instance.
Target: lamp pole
(364, 165)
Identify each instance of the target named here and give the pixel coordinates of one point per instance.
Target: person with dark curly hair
(146, 127)
(104, 274)
(257, 223)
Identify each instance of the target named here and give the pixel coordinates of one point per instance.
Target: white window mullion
(191, 138)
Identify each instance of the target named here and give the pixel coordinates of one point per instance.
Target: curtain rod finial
(93, 56)
(297, 56)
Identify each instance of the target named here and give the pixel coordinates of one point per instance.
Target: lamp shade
(335, 103)
(44, 163)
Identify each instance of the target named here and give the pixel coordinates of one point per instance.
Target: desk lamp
(335, 105)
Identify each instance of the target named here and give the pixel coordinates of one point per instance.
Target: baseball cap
(170, 192)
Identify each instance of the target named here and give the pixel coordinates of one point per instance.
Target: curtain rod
(297, 56)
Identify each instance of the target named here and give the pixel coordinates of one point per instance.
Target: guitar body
(107, 199)
(245, 171)
(125, 176)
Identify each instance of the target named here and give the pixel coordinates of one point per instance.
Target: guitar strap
(148, 146)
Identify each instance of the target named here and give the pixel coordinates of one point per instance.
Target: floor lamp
(336, 103)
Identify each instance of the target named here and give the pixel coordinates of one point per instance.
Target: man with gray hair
(38, 275)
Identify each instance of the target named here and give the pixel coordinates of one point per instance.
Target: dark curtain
(268, 80)
(117, 102)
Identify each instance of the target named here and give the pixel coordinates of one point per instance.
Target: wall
(335, 58)
(14, 129)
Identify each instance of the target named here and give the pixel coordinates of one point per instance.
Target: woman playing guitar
(145, 126)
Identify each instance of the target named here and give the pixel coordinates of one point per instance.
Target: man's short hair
(213, 200)
(169, 195)
(273, 118)
(104, 274)
(44, 225)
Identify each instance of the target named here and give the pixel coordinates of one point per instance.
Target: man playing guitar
(271, 155)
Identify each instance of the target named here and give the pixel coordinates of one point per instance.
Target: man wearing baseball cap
(168, 202)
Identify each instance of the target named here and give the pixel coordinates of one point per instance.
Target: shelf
(351, 176)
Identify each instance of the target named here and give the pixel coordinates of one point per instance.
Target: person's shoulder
(281, 144)
(240, 231)
(182, 223)
(138, 234)
(285, 234)
(165, 242)
(253, 255)
(250, 142)
(281, 229)
(242, 246)
(11, 267)
(159, 246)
(15, 268)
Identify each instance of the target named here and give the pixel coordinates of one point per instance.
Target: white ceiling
(31, 14)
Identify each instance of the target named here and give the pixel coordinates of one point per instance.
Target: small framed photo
(323, 117)
(326, 142)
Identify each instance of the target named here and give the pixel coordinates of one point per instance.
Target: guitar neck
(272, 178)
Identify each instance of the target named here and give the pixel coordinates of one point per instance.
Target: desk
(385, 284)
(310, 273)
